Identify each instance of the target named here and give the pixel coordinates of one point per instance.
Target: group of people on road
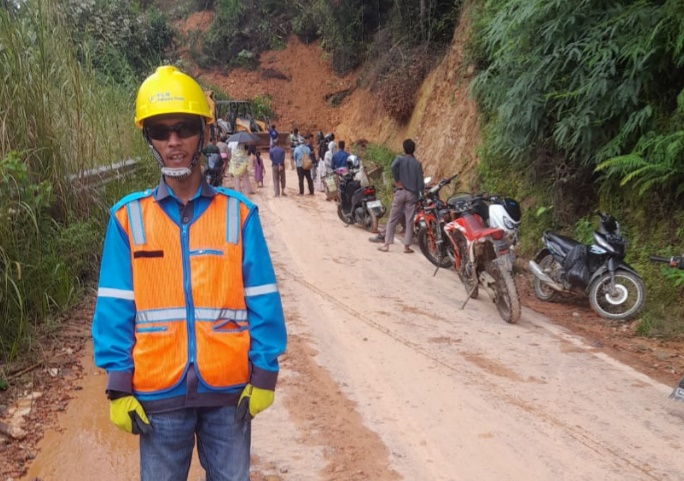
(188, 322)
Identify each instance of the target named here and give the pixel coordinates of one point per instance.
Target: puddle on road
(85, 445)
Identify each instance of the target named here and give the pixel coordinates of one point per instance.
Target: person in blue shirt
(272, 135)
(300, 151)
(277, 155)
(339, 158)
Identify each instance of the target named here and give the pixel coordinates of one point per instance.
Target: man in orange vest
(188, 322)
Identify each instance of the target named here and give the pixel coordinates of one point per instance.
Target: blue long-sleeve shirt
(339, 159)
(277, 155)
(113, 326)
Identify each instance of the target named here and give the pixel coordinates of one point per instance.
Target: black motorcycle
(356, 204)
(564, 265)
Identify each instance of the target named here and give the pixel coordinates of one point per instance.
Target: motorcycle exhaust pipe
(542, 276)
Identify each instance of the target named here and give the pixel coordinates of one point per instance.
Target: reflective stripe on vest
(233, 224)
(189, 295)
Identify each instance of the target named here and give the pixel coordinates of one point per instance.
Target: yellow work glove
(127, 414)
(252, 401)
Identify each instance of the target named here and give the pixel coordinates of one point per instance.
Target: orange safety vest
(169, 287)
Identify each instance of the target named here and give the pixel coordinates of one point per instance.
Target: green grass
(57, 116)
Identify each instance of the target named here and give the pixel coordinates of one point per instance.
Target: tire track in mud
(619, 459)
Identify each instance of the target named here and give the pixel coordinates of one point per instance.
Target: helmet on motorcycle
(353, 162)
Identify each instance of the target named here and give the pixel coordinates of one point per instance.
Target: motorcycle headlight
(509, 224)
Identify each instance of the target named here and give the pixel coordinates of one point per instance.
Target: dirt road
(386, 379)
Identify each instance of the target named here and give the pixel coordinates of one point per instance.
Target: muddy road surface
(385, 378)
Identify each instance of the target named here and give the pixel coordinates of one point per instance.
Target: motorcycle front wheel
(541, 290)
(430, 249)
(622, 303)
(507, 299)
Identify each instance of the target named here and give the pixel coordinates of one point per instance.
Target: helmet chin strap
(179, 173)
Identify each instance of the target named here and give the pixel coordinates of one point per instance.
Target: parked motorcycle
(497, 211)
(564, 265)
(432, 214)
(357, 204)
(482, 257)
(675, 262)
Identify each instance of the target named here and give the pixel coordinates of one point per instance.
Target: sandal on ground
(383, 248)
(408, 250)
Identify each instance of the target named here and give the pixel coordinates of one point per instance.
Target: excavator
(236, 116)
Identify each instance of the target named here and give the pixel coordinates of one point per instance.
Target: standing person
(295, 140)
(321, 172)
(302, 173)
(239, 168)
(258, 169)
(212, 153)
(339, 158)
(188, 322)
(332, 144)
(309, 141)
(272, 135)
(322, 147)
(407, 173)
(225, 153)
(277, 156)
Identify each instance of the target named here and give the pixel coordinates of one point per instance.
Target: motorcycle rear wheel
(507, 299)
(343, 218)
(371, 222)
(541, 290)
(430, 249)
(628, 287)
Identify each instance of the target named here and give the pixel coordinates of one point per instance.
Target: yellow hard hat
(170, 91)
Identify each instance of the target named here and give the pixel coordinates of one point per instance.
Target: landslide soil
(51, 366)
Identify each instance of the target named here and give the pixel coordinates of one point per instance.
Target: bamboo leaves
(591, 79)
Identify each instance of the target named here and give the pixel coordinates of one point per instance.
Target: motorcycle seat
(475, 229)
(564, 242)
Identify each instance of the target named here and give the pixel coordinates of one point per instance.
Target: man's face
(175, 136)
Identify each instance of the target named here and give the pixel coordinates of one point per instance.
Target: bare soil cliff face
(444, 123)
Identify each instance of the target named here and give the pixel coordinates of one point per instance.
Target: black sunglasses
(184, 129)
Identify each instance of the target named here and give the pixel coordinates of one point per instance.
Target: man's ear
(207, 132)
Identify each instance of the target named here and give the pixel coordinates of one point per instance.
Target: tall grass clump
(57, 117)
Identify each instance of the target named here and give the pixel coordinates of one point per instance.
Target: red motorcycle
(432, 214)
(481, 257)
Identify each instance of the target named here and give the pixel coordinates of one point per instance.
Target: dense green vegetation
(66, 105)
(582, 104)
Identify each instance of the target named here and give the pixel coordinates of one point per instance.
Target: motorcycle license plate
(373, 204)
